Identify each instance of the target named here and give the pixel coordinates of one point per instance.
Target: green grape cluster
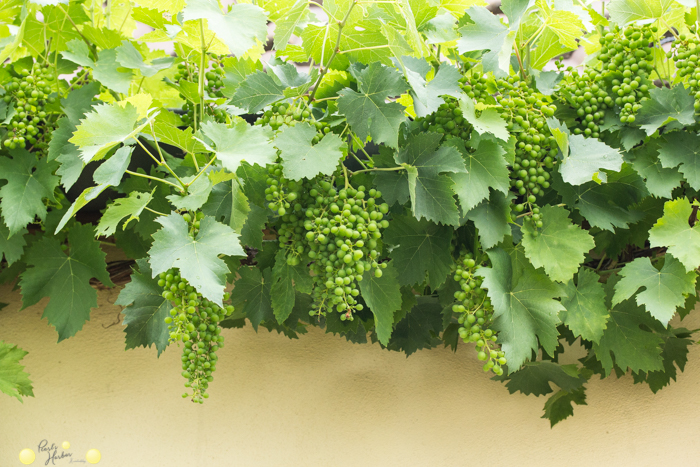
(587, 94)
(475, 86)
(526, 111)
(80, 79)
(686, 57)
(476, 313)
(627, 62)
(285, 114)
(194, 320)
(187, 71)
(447, 120)
(29, 93)
(343, 233)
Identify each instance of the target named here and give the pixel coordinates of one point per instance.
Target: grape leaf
(626, 11)
(108, 72)
(558, 407)
(486, 168)
(665, 290)
(170, 134)
(492, 218)
(286, 24)
(65, 279)
(420, 247)
(197, 258)
(586, 158)
(112, 170)
(525, 309)
(239, 28)
(11, 246)
(383, 297)
(103, 128)
(367, 111)
(14, 381)
(559, 246)
(287, 279)
(130, 207)
(84, 198)
(426, 94)
(419, 328)
(257, 91)
(682, 149)
(487, 32)
(666, 105)
(301, 158)
(606, 205)
(29, 182)
(251, 295)
(236, 70)
(673, 231)
(128, 56)
(430, 189)
(145, 310)
(675, 352)
(241, 143)
(633, 347)
(584, 311)
(660, 180)
(535, 378)
(197, 194)
(252, 231)
(490, 120)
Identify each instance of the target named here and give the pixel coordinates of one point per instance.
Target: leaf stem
(136, 174)
(75, 26)
(380, 169)
(201, 172)
(154, 211)
(200, 89)
(324, 69)
(358, 160)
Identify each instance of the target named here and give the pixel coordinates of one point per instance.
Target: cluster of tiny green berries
(587, 94)
(29, 93)
(476, 313)
(285, 114)
(526, 111)
(447, 120)
(187, 71)
(194, 321)
(626, 63)
(686, 56)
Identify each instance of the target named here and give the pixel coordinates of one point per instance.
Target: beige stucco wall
(319, 401)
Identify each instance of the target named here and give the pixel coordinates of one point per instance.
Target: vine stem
(200, 89)
(380, 169)
(520, 62)
(324, 69)
(154, 211)
(162, 163)
(75, 26)
(201, 172)
(136, 174)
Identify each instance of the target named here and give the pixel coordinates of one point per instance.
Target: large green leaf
(427, 94)
(251, 295)
(14, 381)
(419, 328)
(65, 279)
(241, 143)
(525, 309)
(492, 218)
(11, 246)
(626, 11)
(366, 109)
(535, 378)
(682, 150)
(665, 106)
(664, 290)
(674, 232)
(421, 251)
(29, 183)
(487, 32)
(197, 257)
(257, 91)
(489, 120)
(303, 159)
(383, 297)
(429, 186)
(131, 207)
(239, 28)
(586, 158)
(660, 180)
(585, 312)
(486, 168)
(559, 246)
(145, 310)
(286, 281)
(128, 56)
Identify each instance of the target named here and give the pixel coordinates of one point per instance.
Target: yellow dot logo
(27, 456)
(66, 445)
(93, 456)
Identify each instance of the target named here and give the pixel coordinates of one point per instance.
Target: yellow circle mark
(66, 445)
(27, 456)
(93, 456)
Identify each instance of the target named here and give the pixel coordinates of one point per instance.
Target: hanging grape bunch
(285, 114)
(586, 93)
(343, 233)
(685, 55)
(526, 111)
(476, 313)
(29, 93)
(627, 62)
(188, 71)
(194, 320)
